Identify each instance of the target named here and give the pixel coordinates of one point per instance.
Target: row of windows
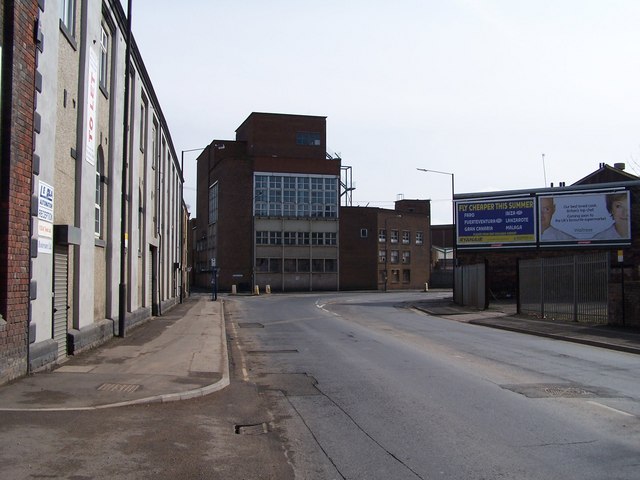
(394, 256)
(395, 276)
(395, 237)
(295, 196)
(296, 265)
(296, 238)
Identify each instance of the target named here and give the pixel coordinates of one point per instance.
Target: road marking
(611, 409)
(243, 363)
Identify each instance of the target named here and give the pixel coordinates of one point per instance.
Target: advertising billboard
(492, 223)
(585, 218)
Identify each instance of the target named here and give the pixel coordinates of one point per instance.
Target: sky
(503, 94)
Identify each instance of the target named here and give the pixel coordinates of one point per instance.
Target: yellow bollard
(267, 289)
(257, 290)
(234, 290)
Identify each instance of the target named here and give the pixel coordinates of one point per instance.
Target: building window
(364, 233)
(104, 59)
(395, 276)
(308, 138)
(213, 203)
(419, 238)
(289, 265)
(406, 237)
(406, 257)
(395, 256)
(317, 238)
(304, 265)
(394, 236)
(382, 256)
(262, 238)
(295, 196)
(317, 265)
(140, 220)
(382, 235)
(303, 238)
(290, 238)
(330, 238)
(68, 16)
(275, 238)
(143, 123)
(262, 265)
(330, 265)
(406, 276)
(99, 194)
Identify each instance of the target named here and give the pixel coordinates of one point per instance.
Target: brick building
(17, 128)
(267, 207)
(64, 191)
(382, 249)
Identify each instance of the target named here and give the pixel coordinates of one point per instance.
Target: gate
(565, 288)
(60, 297)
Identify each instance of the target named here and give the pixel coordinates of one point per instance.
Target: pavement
(180, 355)
(183, 354)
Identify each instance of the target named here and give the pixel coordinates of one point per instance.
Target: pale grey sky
(478, 88)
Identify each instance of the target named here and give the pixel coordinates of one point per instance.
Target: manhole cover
(252, 429)
(560, 390)
(118, 387)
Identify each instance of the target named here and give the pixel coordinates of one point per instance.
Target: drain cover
(252, 429)
(559, 390)
(118, 387)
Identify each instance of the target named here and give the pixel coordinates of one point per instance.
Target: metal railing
(565, 288)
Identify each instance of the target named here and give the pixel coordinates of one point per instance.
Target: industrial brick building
(267, 207)
(63, 188)
(382, 249)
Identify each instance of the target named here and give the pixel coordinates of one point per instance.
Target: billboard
(585, 218)
(496, 223)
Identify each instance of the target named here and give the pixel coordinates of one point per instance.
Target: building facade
(382, 249)
(267, 207)
(85, 175)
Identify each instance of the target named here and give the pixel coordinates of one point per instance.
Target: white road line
(611, 409)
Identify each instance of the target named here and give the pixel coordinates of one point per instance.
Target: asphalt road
(379, 391)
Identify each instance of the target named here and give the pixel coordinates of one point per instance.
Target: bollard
(234, 290)
(257, 290)
(426, 287)
(267, 289)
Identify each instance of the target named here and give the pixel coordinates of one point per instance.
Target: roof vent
(619, 166)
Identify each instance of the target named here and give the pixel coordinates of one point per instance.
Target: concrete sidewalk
(181, 355)
(504, 316)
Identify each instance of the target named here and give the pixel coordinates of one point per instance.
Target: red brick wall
(18, 73)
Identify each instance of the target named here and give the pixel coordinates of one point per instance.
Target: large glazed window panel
(296, 196)
(68, 15)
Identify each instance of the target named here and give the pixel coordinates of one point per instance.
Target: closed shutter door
(60, 297)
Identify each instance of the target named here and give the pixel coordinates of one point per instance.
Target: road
(359, 386)
(387, 392)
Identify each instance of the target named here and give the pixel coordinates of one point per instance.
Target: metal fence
(565, 288)
(470, 286)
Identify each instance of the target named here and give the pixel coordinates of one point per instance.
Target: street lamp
(453, 217)
(184, 250)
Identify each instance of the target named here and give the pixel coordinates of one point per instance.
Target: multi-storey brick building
(64, 155)
(382, 249)
(267, 209)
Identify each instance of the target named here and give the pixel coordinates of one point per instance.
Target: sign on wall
(92, 105)
(496, 222)
(598, 217)
(45, 218)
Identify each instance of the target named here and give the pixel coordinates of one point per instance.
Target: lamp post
(182, 216)
(453, 218)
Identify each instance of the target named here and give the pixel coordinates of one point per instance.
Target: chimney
(619, 166)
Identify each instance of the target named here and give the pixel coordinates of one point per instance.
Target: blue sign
(494, 223)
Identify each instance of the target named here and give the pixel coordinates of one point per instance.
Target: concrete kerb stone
(164, 398)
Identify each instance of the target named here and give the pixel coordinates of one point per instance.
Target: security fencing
(571, 288)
